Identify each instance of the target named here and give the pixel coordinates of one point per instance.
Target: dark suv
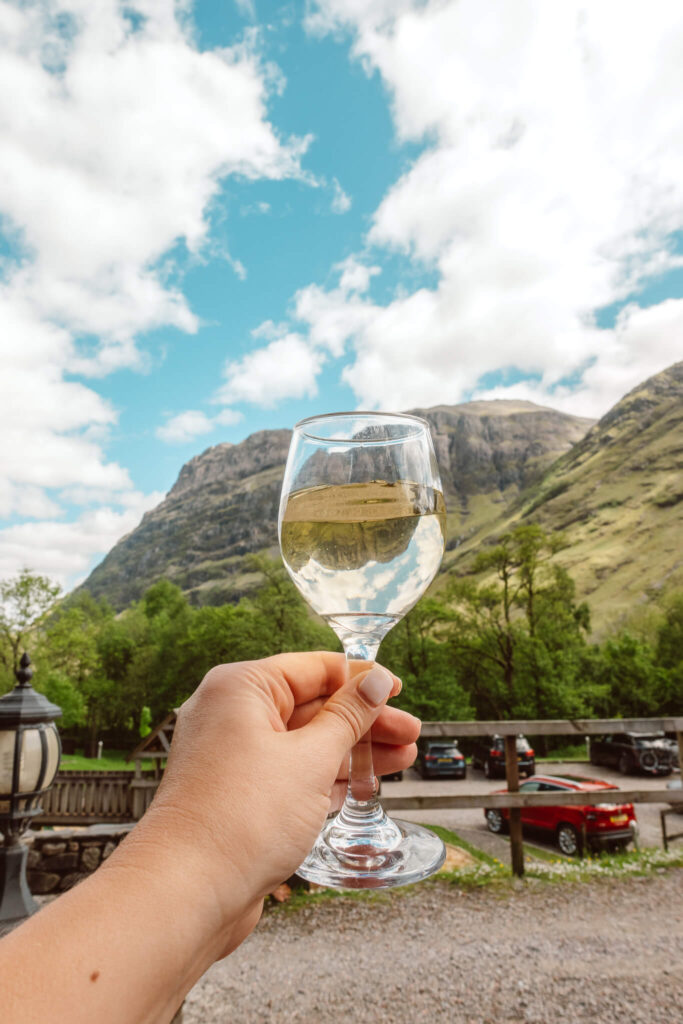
(489, 753)
(440, 757)
(647, 752)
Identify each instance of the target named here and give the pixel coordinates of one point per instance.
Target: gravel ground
(601, 952)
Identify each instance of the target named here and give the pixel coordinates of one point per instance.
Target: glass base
(414, 853)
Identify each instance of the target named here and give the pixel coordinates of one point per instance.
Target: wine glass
(362, 525)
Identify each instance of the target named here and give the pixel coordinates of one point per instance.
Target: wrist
(172, 865)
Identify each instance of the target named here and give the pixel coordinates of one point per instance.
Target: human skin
(258, 758)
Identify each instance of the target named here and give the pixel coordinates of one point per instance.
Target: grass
(546, 866)
(568, 752)
(489, 872)
(111, 761)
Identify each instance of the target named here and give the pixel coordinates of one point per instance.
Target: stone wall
(61, 858)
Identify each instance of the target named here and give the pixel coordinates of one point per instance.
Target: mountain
(618, 494)
(224, 504)
(615, 487)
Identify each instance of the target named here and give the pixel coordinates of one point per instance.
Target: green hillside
(618, 496)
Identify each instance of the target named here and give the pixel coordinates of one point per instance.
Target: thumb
(350, 711)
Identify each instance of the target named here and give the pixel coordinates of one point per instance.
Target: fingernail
(377, 685)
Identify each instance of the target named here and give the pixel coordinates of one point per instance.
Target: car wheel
(624, 766)
(568, 840)
(496, 822)
(488, 769)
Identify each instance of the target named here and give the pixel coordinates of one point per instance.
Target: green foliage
(518, 638)
(509, 642)
(62, 691)
(25, 601)
(431, 689)
(145, 726)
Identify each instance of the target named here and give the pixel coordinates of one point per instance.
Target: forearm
(123, 947)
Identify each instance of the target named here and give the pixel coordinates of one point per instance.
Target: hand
(258, 758)
(255, 756)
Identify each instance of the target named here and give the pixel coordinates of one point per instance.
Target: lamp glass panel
(7, 740)
(31, 760)
(52, 755)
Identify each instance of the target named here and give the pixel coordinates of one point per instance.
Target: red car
(610, 825)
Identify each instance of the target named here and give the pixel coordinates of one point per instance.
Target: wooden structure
(96, 797)
(513, 799)
(88, 798)
(155, 747)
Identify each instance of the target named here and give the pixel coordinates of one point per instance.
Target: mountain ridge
(614, 485)
(225, 501)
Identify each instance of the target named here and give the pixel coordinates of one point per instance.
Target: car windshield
(498, 743)
(444, 750)
(648, 738)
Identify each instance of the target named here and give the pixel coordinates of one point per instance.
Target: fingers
(392, 726)
(347, 715)
(385, 758)
(313, 674)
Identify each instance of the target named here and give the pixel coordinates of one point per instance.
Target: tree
(286, 620)
(518, 639)
(70, 651)
(25, 602)
(431, 689)
(631, 681)
(669, 657)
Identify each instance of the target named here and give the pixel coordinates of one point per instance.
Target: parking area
(470, 823)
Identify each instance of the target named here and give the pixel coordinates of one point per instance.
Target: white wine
(362, 554)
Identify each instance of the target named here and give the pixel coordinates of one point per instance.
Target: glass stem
(362, 788)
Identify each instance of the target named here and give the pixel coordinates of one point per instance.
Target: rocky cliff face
(224, 504)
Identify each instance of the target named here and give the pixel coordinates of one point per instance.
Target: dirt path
(601, 952)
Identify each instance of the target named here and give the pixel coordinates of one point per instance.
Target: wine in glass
(362, 527)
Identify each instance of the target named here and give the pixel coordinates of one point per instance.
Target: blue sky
(221, 217)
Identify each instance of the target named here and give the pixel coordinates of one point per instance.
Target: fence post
(512, 776)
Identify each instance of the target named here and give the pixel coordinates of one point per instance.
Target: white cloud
(341, 202)
(110, 160)
(550, 185)
(286, 368)
(185, 426)
(247, 8)
(65, 550)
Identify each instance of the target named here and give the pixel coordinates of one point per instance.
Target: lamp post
(29, 758)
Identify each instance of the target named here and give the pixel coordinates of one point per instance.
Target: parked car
(672, 744)
(609, 825)
(647, 752)
(489, 754)
(440, 758)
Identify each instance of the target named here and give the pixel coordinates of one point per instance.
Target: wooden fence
(88, 798)
(93, 797)
(513, 799)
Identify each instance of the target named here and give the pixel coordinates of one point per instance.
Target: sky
(220, 217)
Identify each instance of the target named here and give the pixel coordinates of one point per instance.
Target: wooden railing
(93, 797)
(514, 800)
(88, 798)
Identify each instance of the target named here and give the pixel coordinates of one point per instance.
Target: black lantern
(29, 758)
